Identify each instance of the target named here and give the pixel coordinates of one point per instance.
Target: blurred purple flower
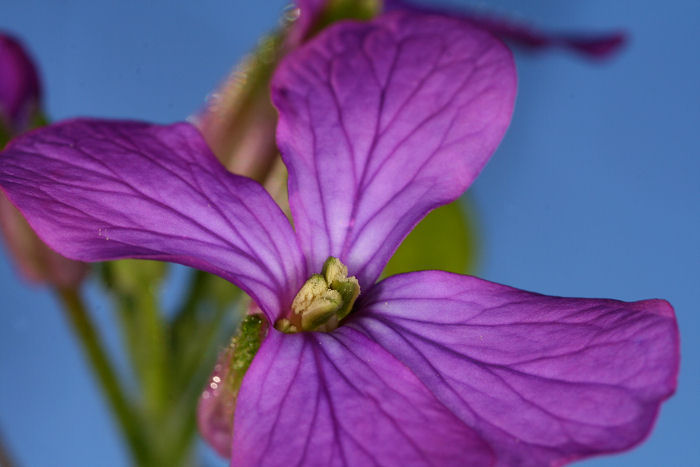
(20, 91)
(380, 122)
(596, 46)
(20, 94)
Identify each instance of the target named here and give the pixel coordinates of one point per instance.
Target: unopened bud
(35, 260)
(217, 404)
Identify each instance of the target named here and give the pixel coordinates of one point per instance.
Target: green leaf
(445, 239)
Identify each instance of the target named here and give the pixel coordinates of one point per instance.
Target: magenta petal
(382, 121)
(99, 190)
(339, 399)
(19, 84)
(543, 380)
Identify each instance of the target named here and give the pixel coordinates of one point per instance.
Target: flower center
(323, 300)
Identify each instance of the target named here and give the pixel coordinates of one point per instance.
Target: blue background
(594, 191)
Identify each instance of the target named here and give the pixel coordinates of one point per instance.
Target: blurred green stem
(155, 374)
(206, 331)
(90, 341)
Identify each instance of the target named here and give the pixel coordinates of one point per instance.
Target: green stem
(87, 334)
(155, 375)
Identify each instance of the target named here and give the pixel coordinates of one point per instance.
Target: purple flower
(19, 86)
(380, 122)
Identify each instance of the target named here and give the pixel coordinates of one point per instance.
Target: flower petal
(19, 85)
(100, 190)
(597, 46)
(339, 399)
(380, 122)
(544, 380)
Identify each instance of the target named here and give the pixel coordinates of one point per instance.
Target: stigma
(323, 301)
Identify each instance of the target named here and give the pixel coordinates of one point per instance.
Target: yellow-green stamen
(323, 301)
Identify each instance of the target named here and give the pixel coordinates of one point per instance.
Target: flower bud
(20, 92)
(218, 402)
(239, 121)
(36, 261)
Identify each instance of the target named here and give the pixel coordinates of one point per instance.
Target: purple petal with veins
(381, 122)
(544, 380)
(339, 399)
(99, 190)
